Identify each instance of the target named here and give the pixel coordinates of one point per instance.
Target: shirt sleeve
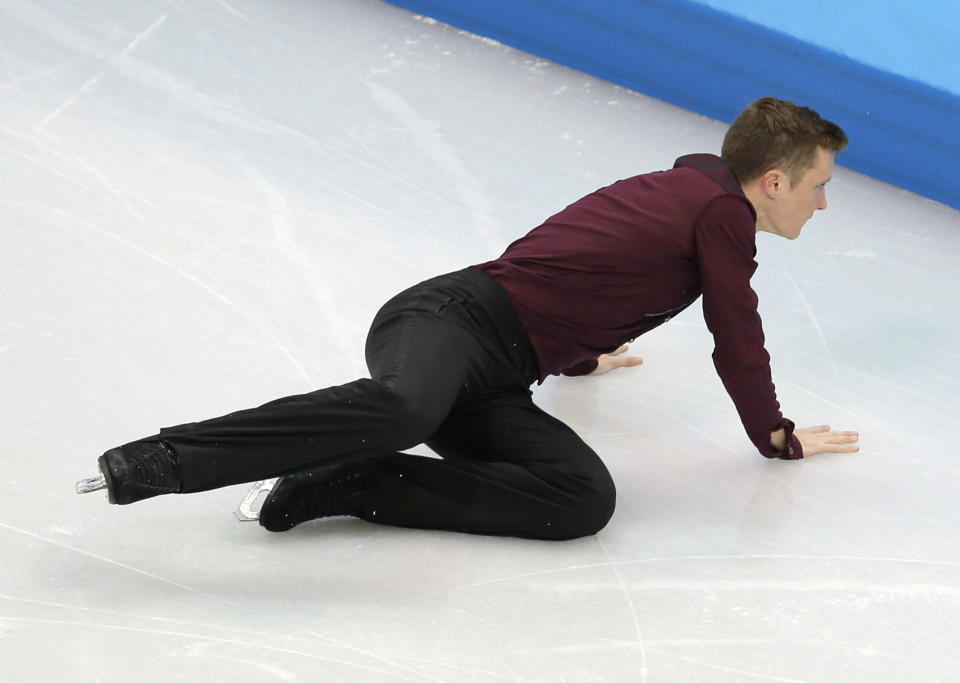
(580, 369)
(726, 247)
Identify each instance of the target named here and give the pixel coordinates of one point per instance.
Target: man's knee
(589, 509)
(597, 504)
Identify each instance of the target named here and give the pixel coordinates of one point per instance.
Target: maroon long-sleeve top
(630, 256)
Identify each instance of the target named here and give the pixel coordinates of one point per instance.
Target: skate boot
(325, 491)
(135, 471)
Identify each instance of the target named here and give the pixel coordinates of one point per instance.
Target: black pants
(450, 366)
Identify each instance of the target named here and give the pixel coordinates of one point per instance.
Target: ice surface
(202, 206)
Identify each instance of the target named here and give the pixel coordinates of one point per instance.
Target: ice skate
(252, 501)
(325, 491)
(135, 471)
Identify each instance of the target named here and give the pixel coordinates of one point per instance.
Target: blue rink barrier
(902, 131)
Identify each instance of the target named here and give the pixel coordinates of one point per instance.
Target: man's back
(618, 262)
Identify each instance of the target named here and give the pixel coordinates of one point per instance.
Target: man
(451, 360)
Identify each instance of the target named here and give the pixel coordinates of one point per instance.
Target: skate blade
(249, 509)
(91, 484)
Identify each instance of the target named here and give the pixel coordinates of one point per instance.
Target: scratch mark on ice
(196, 648)
(417, 675)
(633, 609)
(816, 325)
(702, 558)
(279, 209)
(89, 85)
(207, 288)
(476, 203)
(727, 669)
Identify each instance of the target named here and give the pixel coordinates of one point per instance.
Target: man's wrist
(778, 439)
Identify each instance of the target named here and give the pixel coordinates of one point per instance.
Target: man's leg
(423, 361)
(352, 420)
(429, 348)
(509, 469)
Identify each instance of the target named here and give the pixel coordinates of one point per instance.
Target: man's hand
(821, 440)
(612, 361)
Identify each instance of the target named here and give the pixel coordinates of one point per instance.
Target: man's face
(797, 201)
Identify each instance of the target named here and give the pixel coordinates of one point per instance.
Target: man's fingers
(843, 437)
(821, 439)
(816, 449)
(618, 360)
(843, 442)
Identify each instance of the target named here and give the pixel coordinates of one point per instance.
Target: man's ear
(773, 182)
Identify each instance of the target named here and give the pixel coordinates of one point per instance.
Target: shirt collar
(715, 167)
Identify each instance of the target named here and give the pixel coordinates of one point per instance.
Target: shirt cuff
(792, 450)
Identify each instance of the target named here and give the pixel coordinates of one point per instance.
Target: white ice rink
(202, 205)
